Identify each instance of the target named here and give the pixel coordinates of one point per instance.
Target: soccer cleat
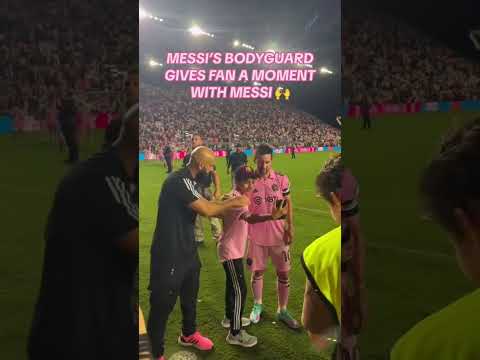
(196, 340)
(226, 322)
(243, 339)
(285, 317)
(256, 313)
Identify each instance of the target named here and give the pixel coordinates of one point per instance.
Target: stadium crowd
(169, 117)
(58, 46)
(392, 62)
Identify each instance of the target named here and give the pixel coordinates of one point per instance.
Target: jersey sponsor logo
(275, 187)
(257, 200)
(270, 199)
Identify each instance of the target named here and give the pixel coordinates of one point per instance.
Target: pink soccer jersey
(233, 241)
(263, 199)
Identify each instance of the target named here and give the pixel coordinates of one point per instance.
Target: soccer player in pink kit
(270, 239)
(231, 250)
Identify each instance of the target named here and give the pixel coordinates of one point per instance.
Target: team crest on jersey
(257, 200)
(275, 187)
(255, 191)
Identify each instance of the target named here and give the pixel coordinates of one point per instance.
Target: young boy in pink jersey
(231, 250)
(270, 239)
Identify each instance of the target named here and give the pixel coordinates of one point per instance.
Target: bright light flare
(324, 70)
(236, 43)
(248, 46)
(143, 14)
(196, 31)
(154, 63)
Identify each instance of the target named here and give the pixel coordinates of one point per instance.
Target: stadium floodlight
(256, 83)
(248, 46)
(236, 43)
(143, 14)
(196, 31)
(324, 70)
(270, 50)
(154, 63)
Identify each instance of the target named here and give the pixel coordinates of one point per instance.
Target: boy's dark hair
(243, 174)
(452, 179)
(263, 149)
(330, 178)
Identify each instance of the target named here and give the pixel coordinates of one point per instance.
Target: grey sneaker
(226, 322)
(243, 339)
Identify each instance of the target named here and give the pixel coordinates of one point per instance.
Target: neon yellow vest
(322, 263)
(453, 333)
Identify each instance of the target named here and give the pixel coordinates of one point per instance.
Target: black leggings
(235, 293)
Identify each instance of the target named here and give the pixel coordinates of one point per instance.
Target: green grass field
(275, 340)
(31, 167)
(411, 269)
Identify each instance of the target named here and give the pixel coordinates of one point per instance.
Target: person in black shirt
(84, 308)
(365, 112)
(237, 159)
(66, 119)
(229, 151)
(205, 181)
(175, 264)
(168, 156)
(293, 152)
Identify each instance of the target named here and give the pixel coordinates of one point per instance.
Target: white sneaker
(226, 322)
(243, 339)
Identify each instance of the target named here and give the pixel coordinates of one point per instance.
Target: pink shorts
(258, 256)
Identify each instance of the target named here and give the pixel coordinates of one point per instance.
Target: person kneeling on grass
(451, 191)
(231, 250)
